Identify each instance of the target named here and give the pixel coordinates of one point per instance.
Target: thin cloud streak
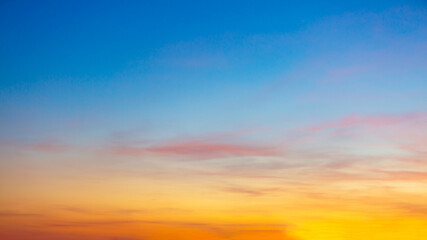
(367, 121)
(212, 150)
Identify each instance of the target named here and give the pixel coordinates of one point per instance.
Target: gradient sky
(158, 120)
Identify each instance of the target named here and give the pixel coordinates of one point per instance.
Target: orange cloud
(250, 190)
(19, 214)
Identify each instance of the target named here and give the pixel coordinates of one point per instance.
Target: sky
(159, 120)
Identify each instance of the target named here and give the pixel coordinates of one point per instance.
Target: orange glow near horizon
(50, 201)
(213, 120)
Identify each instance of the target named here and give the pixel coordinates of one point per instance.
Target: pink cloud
(419, 146)
(367, 121)
(206, 149)
(419, 159)
(196, 149)
(220, 144)
(49, 147)
(405, 175)
(45, 146)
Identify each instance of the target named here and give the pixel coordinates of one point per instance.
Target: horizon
(243, 120)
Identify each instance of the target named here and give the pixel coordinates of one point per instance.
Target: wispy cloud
(40, 146)
(212, 145)
(52, 147)
(195, 149)
(204, 149)
(404, 175)
(19, 214)
(222, 230)
(122, 238)
(367, 121)
(413, 208)
(120, 212)
(250, 191)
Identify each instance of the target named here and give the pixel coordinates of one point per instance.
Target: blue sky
(198, 67)
(213, 120)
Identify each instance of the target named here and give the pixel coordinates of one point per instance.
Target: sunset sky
(212, 120)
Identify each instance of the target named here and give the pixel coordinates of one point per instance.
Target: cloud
(250, 190)
(195, 149)
(238, 174)
(222, 230)
(222, 144)
(370, 175)
(122, 238)
(201, 146)
(120, 211)
(413, 208)
(357, 58)
(404, 175)
(41, 146)
(52, 147)
(340, 164)
(419, 159)
(372, 121)
(160, 222)
(19, 214)
(206, 149)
